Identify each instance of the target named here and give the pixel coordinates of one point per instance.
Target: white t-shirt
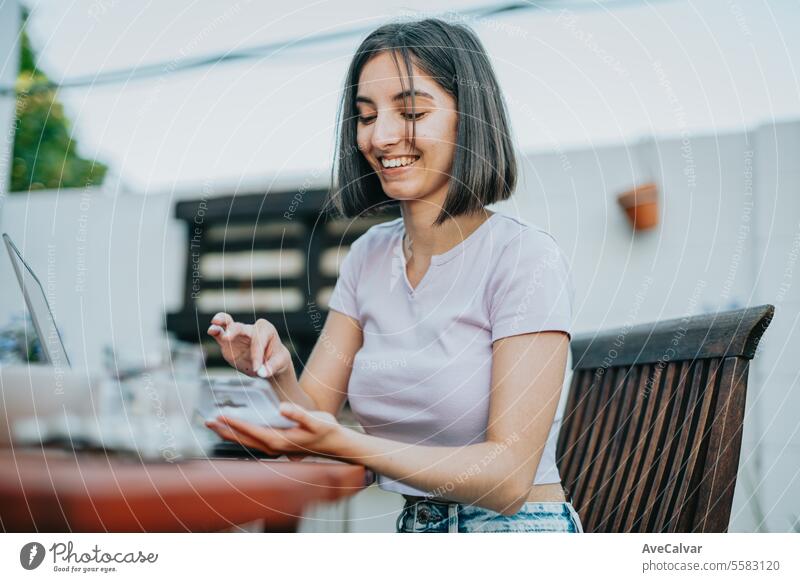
(423, 373)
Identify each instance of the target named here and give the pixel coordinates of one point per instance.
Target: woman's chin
(405, 193)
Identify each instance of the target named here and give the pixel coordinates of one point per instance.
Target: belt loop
(414, 527)
(452, 518)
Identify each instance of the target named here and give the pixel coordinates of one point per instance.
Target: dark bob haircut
(484, 167)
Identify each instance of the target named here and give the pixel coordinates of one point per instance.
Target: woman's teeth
(397, 162)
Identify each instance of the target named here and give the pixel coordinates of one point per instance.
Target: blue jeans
(534, 516)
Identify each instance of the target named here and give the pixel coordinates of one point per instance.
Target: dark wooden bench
(652, 427)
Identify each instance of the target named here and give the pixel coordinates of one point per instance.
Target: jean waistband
(418, 498)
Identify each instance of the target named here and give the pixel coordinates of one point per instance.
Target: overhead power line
(272, 48)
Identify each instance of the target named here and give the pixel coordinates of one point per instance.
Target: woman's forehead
(380, 77)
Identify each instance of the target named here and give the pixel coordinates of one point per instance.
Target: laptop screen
(39, 308)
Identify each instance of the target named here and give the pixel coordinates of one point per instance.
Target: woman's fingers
(279, 361)
(218, 324)
(252, 349)
(236, 329)
(257, 345)
(269, 355)
(232, 434)
(261, 346)
(270, 437)
(303, 417)
(229, 331)
(237, 338)
(222, 319)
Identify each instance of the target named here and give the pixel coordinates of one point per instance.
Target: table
(50, 490)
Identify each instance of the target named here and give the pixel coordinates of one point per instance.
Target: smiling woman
(477, 305)
(434, 79)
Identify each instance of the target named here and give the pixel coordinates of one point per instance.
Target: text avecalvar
(671, 549)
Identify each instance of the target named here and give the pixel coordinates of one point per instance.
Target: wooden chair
(652, 427)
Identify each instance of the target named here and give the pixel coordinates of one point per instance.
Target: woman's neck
(427, 240)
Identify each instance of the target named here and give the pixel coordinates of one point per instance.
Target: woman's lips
(398, 171)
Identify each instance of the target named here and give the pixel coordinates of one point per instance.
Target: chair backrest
(652, 427)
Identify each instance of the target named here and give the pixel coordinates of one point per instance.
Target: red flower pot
(641, 205)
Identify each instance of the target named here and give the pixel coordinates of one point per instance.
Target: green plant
(45, 155)
(19, 342)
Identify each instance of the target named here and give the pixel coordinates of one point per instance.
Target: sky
(574, 74)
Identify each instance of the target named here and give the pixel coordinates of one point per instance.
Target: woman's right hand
(255, 350)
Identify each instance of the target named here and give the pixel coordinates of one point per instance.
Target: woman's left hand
(317, 432)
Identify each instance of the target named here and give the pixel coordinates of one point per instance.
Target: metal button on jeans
(423, 514)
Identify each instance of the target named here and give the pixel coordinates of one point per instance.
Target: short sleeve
(343, 297)
(531, 288)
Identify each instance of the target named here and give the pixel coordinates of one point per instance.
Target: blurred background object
(18, 341)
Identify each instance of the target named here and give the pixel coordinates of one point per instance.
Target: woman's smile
(396, 166)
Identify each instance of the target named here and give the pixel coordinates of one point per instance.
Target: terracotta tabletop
(53, 490)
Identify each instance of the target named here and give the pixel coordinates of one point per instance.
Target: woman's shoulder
(532, 261)
(378, 235)
(519, 234)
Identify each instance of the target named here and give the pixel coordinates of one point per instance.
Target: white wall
(720, 244)
(775, 393)
(111, 266)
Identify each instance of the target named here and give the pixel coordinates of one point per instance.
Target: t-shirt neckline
(456, 250)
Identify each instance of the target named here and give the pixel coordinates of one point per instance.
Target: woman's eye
(408, 116)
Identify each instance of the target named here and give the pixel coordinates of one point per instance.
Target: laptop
(234, 397)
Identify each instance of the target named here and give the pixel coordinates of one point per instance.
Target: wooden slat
(715, 335)
(678, 437)
(605, 522)
(625, 517)
(576, 428)
(252, 205)
(715, 495)
(585, 430)
(684, 501)
(631, 451)
(614, 408)
(610, 479)
(605, 393)
(572, 416)
(643, 498)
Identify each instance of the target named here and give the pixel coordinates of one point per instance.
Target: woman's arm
(323, 382)
(527, 377)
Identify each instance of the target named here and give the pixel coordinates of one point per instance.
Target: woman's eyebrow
(400, 96)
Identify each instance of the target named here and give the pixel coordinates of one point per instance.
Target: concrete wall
(729, 236)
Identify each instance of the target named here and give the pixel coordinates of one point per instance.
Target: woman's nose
(387, 131)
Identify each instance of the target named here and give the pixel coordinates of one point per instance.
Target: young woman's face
(384, 119)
